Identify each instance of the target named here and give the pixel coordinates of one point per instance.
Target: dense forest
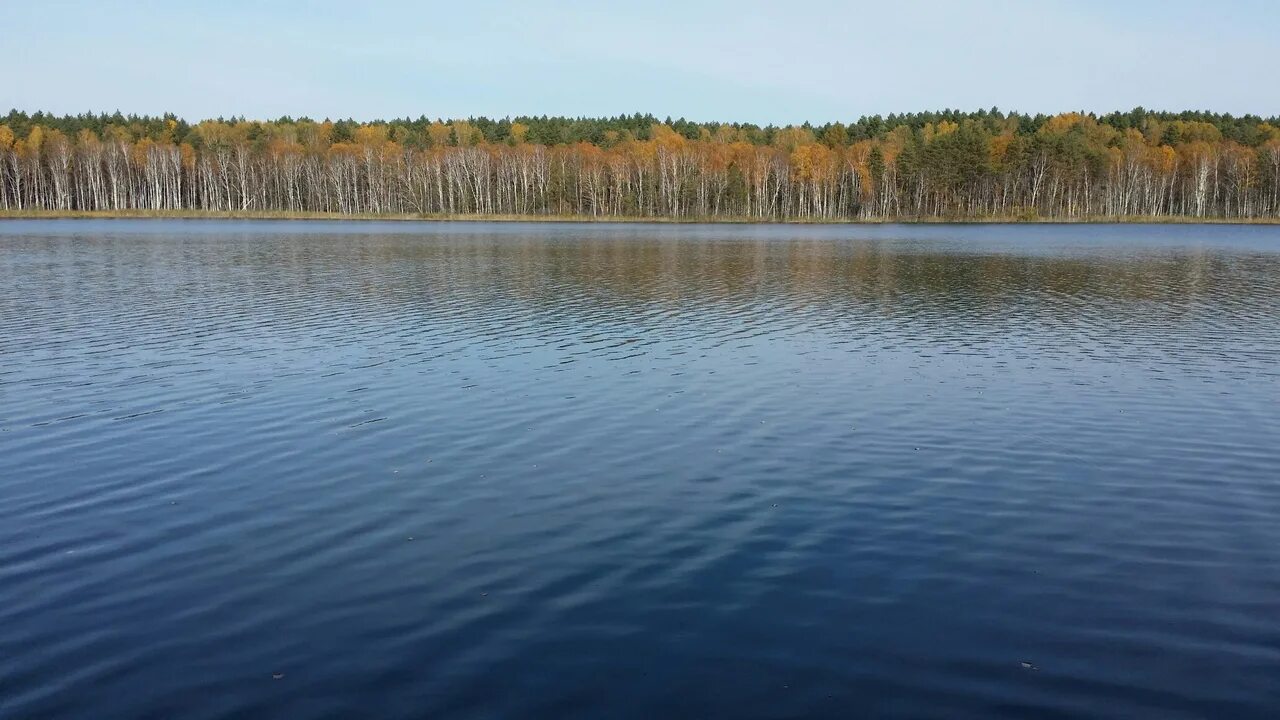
(928, 165)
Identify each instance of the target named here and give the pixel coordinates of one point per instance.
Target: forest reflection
(817, 273)
(638, 285)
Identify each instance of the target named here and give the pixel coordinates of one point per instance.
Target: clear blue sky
(763, 62)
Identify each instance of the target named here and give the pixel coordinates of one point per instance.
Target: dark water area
(320, 470)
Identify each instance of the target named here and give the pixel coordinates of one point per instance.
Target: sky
(763, 62)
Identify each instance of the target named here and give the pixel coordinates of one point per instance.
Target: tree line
(945, 164)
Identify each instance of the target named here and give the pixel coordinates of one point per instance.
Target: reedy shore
(667, 220)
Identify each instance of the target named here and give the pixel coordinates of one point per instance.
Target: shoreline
(588, 219)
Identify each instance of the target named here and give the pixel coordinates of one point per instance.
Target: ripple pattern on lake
(485, 471)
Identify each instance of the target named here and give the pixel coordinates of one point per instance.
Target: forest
(934, 165)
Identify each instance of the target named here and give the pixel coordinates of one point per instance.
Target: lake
(485, 470)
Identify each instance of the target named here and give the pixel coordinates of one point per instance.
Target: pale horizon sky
(740, 61)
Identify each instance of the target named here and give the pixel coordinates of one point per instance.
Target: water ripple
(407, 470)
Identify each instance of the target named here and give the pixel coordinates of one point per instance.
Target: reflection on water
(650, 471)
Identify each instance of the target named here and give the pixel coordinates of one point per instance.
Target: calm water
(553, 471)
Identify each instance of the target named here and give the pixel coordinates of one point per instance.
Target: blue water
(410, 470)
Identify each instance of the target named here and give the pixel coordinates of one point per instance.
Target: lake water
(409, 470)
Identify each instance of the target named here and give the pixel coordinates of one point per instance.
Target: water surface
(323, 469)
